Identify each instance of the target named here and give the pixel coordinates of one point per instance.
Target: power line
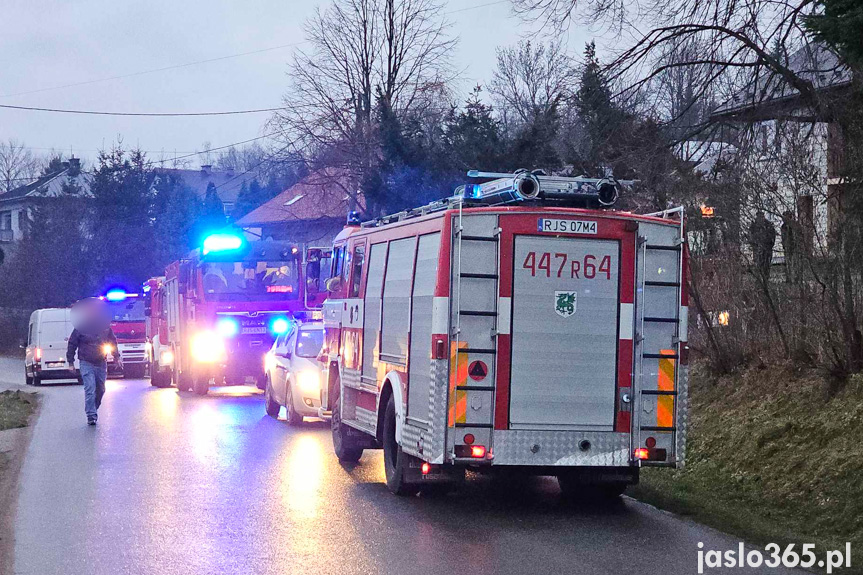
(477, 6)
(152, 71)
(147, 114)
(197, 62)
(152, 163)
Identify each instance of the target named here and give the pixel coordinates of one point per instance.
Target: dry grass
(16, 408)
(775, 455)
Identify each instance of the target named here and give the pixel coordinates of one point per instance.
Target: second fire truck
(214, 315)
(516, 325)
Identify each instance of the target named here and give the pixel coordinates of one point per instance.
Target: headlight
(166, 357)
(228, 327)
(207, 347)
(309, 382)
(269, 361)
(107, 349)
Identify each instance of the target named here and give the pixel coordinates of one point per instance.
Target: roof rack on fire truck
(520, 186)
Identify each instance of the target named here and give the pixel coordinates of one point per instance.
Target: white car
(294, 373)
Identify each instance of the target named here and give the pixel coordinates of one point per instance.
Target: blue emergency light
(222, 243)
(116, 294)
(280, 326)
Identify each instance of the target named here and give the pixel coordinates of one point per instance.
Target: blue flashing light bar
(280, 326)
(222, 243)
(117, 295)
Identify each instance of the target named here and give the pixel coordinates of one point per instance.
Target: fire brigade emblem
(564, 303)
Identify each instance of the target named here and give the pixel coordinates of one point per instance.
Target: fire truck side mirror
(334, 284)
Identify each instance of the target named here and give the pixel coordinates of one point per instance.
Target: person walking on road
(93, 340)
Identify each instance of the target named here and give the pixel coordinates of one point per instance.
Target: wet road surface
(170, 482)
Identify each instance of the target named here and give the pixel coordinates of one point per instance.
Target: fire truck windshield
(129, 310)
(250, 280)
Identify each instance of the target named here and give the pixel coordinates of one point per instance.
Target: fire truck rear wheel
(201, 384)
(572, 488)
(159, 378)
(396, 461)
(344, 445)
(182, 381)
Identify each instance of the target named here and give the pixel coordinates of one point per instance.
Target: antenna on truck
(523, 185)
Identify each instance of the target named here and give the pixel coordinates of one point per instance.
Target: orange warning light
(706, 211)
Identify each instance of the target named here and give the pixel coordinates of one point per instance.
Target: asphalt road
(173, 483)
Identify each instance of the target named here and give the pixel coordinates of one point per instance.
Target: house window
(6, 220)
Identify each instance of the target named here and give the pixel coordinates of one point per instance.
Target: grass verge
(773, 455)
(16, 408)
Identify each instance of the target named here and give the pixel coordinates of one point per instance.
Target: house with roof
(783, 124)
(227, 183)
(17, 205)
(312, 211)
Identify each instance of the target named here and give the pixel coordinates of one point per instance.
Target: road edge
(9, 488)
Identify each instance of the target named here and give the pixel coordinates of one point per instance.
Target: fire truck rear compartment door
(564, 333)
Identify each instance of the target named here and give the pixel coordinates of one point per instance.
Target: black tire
(182, 381)
(573, 489)
(160, 379)
(396, 461)
(612, 490)
(27, 379)
(272, 407)
(201, 384)
(261, 382)
(37, 380)
(293, 417)
(344, 445)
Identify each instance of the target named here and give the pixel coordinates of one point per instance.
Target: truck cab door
(316, 272)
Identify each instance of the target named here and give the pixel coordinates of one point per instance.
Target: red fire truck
(214, 315)
(128, 323)
(507, 328)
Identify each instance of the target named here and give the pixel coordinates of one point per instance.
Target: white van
(47, 341)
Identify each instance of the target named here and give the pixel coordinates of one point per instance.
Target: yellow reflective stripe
(458, 376)
(665, 382)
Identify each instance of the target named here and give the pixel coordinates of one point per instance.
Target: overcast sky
(49, 43)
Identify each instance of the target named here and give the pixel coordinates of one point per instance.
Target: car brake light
(650, 442)
(469, 438)
(426, 468)
(37, 354)
(642, 453)
(477, 451)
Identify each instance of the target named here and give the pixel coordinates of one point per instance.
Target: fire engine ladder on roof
(668, 357)
(466, 340)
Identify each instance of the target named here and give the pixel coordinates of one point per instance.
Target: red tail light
(477, 451)
(642, 453)
(37, 354)
(426, 468)
(469, 438)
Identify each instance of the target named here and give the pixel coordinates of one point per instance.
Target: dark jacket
(89, 346)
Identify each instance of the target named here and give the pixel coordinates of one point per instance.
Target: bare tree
(530, 79)
(365, 55)
(742, 49)
(18, 165)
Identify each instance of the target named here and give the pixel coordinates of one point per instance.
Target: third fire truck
(215, 314)
(520, 324)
